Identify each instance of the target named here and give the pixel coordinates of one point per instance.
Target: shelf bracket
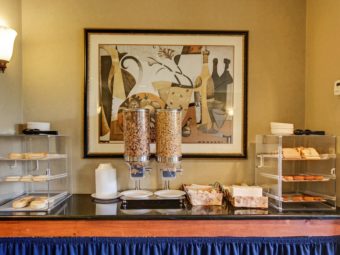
(36, 165)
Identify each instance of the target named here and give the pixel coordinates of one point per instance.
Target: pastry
(14, 155)
(40, 178)
(22, 202)
(288, 178)
(309, 153)
(318, 177)
(298, 177)
(204, 194)
(308, 198)
(285, 198)
(34, 155)
(297, 198)
(317, 198)
(290, 153)
(26, 178)
(39, 203)
(309, 177)
(13, 178)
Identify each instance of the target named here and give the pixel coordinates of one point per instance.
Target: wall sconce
(7, 37)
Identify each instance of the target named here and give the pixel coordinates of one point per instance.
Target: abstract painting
(203, 73)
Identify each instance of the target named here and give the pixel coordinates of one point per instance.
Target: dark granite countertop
(83, 207)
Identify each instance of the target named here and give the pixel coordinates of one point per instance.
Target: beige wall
(323, 68)
(53, 68)
(10, 81)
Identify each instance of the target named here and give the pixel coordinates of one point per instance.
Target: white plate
(171, 193)
(137, 193)
(169, 211)
(136, 212)
(106, 197)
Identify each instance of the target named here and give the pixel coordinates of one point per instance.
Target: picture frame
(204, 73)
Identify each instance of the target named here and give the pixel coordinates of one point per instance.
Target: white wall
(323, 69)
(53, 68)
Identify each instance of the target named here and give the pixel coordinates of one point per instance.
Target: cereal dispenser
(168, 143)
(136, 124)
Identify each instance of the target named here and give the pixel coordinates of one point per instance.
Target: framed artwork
(202, 72)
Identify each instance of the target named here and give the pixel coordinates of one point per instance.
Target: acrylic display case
(34, 167)
(291, 182)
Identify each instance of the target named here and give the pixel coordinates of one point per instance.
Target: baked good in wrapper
(204, 194)
(246, 196)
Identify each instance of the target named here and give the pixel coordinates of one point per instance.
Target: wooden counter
(79, 217)
(169, 228)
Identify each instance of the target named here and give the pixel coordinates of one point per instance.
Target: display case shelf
(39, 178)
(279, 176)
(48, 157)
(36, 167)
(53, 200)
(276, 177)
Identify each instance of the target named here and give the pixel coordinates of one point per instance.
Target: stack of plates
(278, 128)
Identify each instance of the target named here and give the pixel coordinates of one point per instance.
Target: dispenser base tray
(153, 202)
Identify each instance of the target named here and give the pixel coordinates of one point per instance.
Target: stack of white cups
(106, 182)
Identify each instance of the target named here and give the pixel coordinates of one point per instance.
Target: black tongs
(38, 132)
(308, 132)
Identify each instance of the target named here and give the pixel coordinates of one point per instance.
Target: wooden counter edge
(169, 228)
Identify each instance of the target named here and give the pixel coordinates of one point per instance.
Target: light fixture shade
(7, 37)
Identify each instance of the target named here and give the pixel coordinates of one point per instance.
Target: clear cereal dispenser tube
(168, 143)
(136, 131)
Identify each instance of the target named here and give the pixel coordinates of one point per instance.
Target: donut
(285, 198)
(318, 177)
(309, 177)
(298, 178)
(308, 198)
(297, 198)
(288, 178)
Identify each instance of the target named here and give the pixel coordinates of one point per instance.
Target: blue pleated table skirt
(167, 246)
